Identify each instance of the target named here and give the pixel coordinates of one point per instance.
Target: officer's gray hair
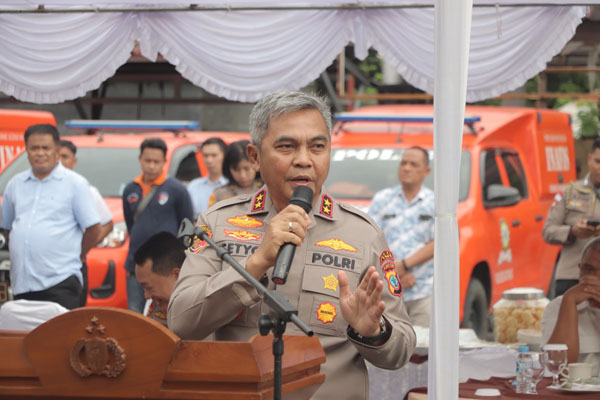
(281, 103)
(593, 244)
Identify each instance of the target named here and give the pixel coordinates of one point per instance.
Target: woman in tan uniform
(239, 172)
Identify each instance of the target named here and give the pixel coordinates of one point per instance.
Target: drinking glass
(534, 370)
(556, 361)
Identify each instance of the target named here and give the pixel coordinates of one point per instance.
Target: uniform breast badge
(330, 282)
(242, 235)
(336, 244)
(244, 221)
(326, 312)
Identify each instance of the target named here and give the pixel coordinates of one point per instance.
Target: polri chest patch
(162, 198)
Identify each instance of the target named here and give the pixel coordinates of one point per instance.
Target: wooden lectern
(109, 353)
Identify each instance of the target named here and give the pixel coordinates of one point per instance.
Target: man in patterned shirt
(405, 214)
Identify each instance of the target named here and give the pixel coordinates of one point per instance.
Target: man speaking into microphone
(341, 275)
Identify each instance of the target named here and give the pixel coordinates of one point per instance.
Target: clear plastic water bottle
(521, 382)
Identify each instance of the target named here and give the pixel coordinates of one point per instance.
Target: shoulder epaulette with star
(258, 203)
(326, 206)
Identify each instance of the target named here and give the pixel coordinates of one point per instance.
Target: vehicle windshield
(109, 169)
(359, 173)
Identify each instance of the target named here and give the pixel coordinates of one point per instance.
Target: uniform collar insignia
(326, 208)
(258, 203)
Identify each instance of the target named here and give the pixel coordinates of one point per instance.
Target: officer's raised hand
(363, 308)
(289, 226)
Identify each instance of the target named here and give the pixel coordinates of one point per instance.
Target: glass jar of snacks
(519, 308)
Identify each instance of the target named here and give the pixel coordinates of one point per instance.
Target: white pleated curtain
(244, 55)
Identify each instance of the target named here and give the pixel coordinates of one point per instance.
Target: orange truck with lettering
(13, 124)
(514, 161)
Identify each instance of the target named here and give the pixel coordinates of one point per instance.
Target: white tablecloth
(483, 362)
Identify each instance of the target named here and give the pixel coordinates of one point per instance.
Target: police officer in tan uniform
(571, 221)
(342, 280)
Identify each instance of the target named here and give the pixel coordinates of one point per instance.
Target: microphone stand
(284, 311)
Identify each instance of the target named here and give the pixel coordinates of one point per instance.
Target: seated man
(157, 265)
(574, 318)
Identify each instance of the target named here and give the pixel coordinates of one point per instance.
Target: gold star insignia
(330, 282)
(326, 209)
(327, 202)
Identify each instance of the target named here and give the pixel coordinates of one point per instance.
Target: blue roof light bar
(351, 117)
(132, 125)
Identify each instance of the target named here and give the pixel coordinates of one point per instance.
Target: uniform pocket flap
(325, 281)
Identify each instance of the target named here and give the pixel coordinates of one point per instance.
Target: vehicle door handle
(516, 222)
(539, 217)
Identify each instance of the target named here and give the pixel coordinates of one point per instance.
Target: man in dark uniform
(572, 222)
(342, 278)
(152, 203)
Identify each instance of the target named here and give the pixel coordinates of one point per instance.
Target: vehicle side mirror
(501, 196)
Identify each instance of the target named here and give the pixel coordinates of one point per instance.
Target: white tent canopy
(243, 55)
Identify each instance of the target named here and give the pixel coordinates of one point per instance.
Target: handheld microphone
(302, 197)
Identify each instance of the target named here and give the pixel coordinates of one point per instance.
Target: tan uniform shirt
(210, 296)
(579, 201)
(231, 190)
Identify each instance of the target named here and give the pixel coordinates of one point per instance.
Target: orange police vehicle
(109, 161)
(514, 161)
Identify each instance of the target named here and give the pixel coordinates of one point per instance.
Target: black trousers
(562, 285)
(84, 291)
(66, 293)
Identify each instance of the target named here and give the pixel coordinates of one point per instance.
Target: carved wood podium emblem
(97, 355)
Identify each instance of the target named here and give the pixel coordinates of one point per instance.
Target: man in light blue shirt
(200, 189)
(50, 213)
(405, 215)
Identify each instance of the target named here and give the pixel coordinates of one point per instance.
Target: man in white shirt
(200, 189)
(574, 318)
(52, 225)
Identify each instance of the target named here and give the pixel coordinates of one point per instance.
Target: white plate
(578, 388)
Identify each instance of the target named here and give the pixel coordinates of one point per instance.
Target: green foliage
(588, 119)
(531, 86)
(371, 66)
